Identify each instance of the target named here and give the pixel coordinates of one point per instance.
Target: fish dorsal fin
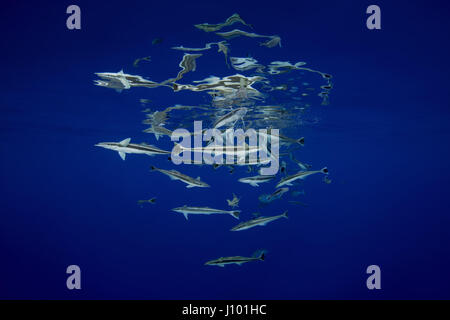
(125, 142)
(198, 178)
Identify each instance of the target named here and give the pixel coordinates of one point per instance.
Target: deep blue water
(384, 137)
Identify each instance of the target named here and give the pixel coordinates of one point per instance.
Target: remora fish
(255, 180)
(297, 193)
(221, 262)
(223, 48)
(327, 180)
(206, 47)
(231, 117)
(123, 147)
(260, 221)
(187, 64)
(283, 139)
(237, 33)
(136, 62)
(304, 166)
(257, 162)
(274, 41)
(299, 175)
(175, 175)
(120, 80)
(185, 210)
(300, 141)
(120, 76)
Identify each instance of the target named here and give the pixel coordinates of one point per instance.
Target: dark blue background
(384, 137)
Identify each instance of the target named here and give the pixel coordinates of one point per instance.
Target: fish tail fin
(153, 168)
(262, 256)
(285, 215)
(236, 214)
(301, 141)
(152, 200)
(324, 170)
